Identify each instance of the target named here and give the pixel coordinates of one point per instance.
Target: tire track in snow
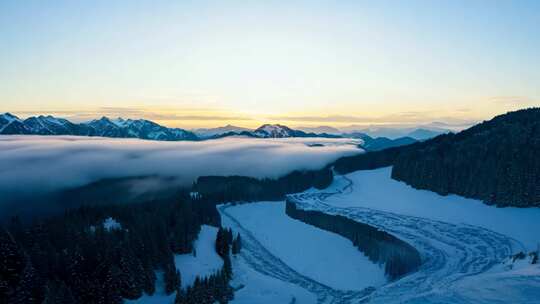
(263, 261)
(450, 252)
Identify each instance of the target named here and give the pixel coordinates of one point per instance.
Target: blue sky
(195, 63)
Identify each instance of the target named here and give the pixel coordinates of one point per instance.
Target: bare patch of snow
(375, 189)
(111, 224)
(253, 287)
(203, 262)
(323, 256)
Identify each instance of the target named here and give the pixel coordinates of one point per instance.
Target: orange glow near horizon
(194, 64)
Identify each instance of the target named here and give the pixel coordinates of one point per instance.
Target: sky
(302, 63)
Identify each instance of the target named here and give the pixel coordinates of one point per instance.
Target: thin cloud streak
(136, 113)
(200, 116)
(403, 118)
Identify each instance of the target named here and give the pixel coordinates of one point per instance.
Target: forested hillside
(103, 249)
(102, 254)
(241, 188)
(497, 161)
(369, 160)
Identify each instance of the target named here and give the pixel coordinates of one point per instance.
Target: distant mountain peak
(9, 116)
(277, 131)
(320, 129)
(6, 120)
(138, 128)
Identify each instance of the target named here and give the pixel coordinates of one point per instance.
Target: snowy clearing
(253, 287)
(111, 224)
(323, 256)
(265, 263)
(204, 263)
(457, 256)
(376, 190)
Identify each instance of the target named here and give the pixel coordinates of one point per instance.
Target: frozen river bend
(462, 243)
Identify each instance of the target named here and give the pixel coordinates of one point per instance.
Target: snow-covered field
(323, 256)
(376, 190)
(204, 263)
(462, 255)
(464, 244)
(253, 287)
(276, 247)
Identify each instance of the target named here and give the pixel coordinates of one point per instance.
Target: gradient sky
(208, 63)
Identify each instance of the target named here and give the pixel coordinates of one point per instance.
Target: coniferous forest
(241, 188)
(73, 257)
(76, 258)
(497, 161)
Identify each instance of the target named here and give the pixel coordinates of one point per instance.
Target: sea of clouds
(38, 164)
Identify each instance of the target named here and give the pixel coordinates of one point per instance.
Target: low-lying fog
(30, 165)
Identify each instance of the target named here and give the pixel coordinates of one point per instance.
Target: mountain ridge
(136, 128)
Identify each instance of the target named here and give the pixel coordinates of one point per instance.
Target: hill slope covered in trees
(497, 161)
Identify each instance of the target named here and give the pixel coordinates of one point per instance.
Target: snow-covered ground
(204, 263)
(513, 279)
(303, 257)
(109, 224)
(462, 251)
(323, 256)
(253, 287)
(376, 190)
(463, 243)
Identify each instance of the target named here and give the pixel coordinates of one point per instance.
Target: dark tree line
(241, 188)
(497, 161)
(74, 258)
(399, 257)
(369, 160)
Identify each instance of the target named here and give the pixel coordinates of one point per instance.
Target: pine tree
(29, 289)
(4, 291)
(236, 245)
(172, 279)
(58, 293)
(11, 264)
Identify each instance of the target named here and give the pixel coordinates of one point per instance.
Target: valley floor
(266, 262)
(463, 244)
(375, 189)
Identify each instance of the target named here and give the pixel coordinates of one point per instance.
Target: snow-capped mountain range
(136, 128)
(421, 132)
(105, 127)
(146, 129)
(213, 132)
